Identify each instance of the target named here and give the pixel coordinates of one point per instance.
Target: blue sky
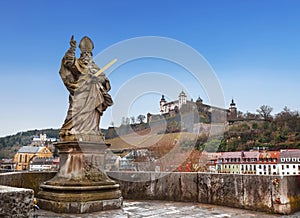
(253, 47)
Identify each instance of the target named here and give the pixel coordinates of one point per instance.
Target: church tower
(182, 99)
(233, 110)
(162, 103)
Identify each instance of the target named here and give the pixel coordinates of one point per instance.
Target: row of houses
(283, 162)
(256, 162)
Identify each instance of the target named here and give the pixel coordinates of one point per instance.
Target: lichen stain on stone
(294, 202)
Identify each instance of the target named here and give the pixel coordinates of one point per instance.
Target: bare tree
(132, 120)
(141, 118)
(265, 112)
(125, 121)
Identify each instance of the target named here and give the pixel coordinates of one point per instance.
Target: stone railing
(273, 194)
(31, 180)
(16, 202)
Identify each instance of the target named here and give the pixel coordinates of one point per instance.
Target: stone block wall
(31, 180)
(271, 194)
(16, 202)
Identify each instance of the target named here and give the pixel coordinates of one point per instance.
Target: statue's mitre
(86, 44)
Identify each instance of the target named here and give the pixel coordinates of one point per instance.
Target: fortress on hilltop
(183, 105)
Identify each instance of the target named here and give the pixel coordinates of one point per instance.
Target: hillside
(278, 132)
(9, 145)
(268, 134)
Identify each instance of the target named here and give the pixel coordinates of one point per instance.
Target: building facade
(26, 154)
(283, 162)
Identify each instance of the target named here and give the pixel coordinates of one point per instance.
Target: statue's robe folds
(88, 97)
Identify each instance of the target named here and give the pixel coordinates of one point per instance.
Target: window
(259, 166)
(294, 159)
(287, 166)
(282, 159)
(20, 158)
(288, 159)
(282, 167)
(274, 167)
(294, 166)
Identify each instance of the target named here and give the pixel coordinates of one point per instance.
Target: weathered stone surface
(80, 186)
(204, 186)
(16, 202)
(189, 187)
(292, 190)
(166, 209)
(79, 207)
(257, 193)
(30, 180)
(226, 190)
(243, 191)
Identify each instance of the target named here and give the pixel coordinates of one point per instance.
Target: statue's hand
(73, 42)
(74, 85)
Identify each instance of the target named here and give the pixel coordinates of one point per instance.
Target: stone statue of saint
(88, 90)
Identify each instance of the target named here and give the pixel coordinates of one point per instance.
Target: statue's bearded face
(85, 57)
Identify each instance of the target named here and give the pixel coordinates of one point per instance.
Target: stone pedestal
(81, 185)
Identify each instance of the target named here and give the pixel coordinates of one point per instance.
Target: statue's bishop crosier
(88, 87)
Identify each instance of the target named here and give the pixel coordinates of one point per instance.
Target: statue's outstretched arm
(69, 58)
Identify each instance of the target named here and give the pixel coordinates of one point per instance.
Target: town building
(42, 140)
(44, 164)
(212, 159)
(26, 154)
(283, 162)
(289, 162)
(7, 165)
(268, 163)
